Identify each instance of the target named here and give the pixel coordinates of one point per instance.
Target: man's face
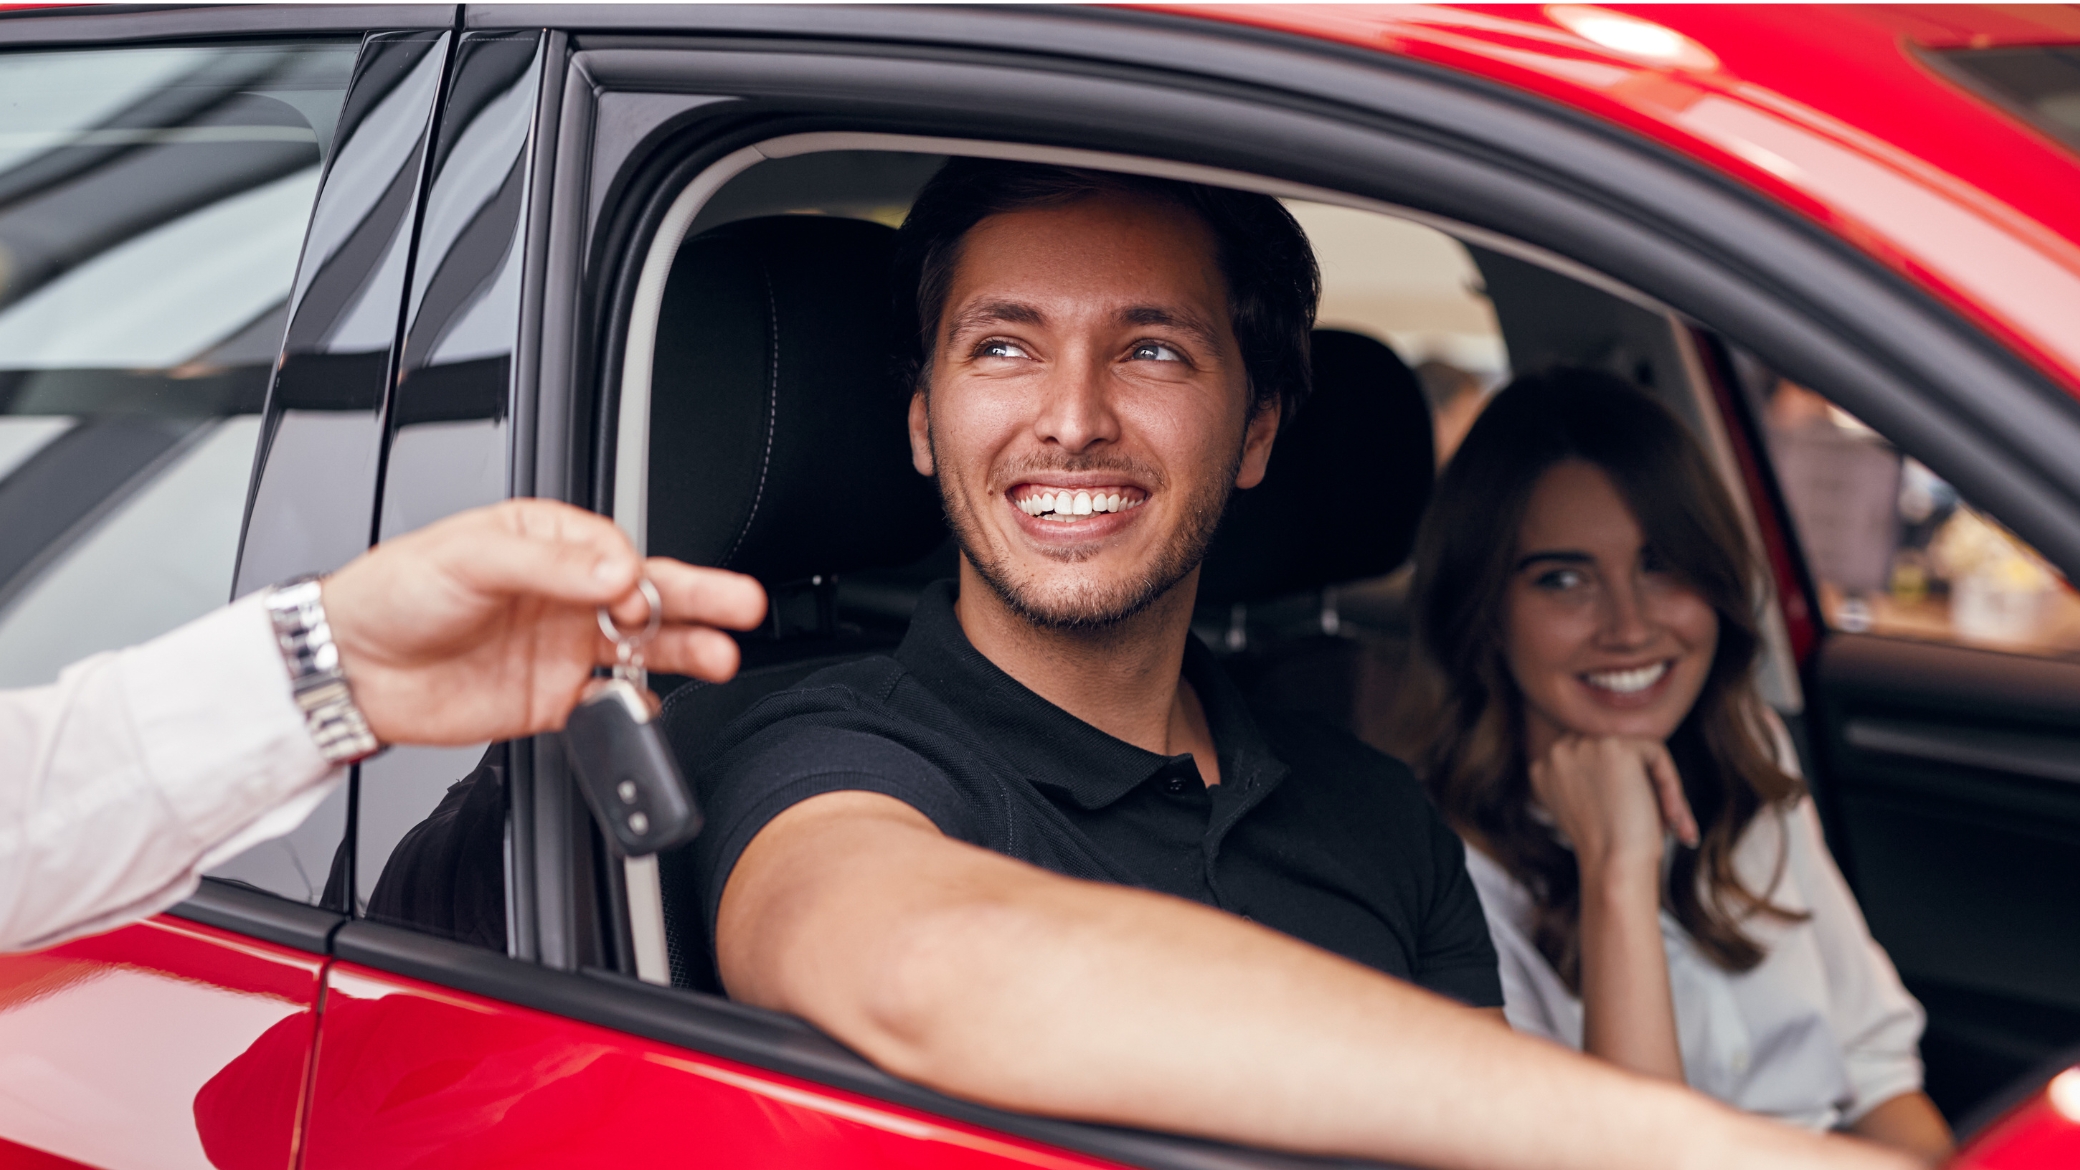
(1089, 410)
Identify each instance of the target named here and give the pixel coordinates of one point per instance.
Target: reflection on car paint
(109, 1047)
(448, 428)
(325, 418)
(413, 1074)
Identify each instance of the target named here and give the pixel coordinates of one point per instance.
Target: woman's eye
(997, 347)
(1560, 579)
(1153, 351)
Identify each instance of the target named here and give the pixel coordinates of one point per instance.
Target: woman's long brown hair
(1465, 733)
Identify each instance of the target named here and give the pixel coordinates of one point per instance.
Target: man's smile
(1062, 504)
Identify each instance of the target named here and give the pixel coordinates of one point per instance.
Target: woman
(1653, 874)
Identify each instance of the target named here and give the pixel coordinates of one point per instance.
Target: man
(1020, 861)
(139, 769)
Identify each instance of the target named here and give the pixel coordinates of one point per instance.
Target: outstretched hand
(483, 626)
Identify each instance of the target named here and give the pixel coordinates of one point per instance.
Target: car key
(625, 768)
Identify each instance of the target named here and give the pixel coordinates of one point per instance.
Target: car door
(173, 194)
(1943, 714)
(515, 1016)
(474, 874)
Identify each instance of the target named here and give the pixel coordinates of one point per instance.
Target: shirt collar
(1055, 749)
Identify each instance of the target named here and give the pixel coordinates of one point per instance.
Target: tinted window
(2040, 82)
(152, 207)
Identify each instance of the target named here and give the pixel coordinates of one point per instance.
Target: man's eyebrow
(1565, 556)
(993, 313)
(1172, 319)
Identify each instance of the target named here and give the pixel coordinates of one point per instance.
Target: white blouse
(1817, 1034)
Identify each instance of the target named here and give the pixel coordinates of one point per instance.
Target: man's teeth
(1069, 505)
(1627, 682)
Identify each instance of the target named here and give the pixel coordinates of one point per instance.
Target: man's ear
(1256, 445)
(920, 435)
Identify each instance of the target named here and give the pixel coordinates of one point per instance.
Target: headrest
(1349, 476)
(778, 435)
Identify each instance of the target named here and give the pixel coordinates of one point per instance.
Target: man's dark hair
(1273, 284)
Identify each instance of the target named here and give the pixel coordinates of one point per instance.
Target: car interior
(763, 416)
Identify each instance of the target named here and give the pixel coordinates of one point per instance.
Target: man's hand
(483, 626)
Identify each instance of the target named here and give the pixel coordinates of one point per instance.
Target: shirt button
(1176, 785)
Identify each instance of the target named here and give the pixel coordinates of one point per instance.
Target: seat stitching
(772, 417)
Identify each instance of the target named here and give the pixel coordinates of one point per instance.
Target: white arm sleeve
(1875, 1019)
(138, 769)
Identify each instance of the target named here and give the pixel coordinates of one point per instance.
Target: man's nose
(1076, 411)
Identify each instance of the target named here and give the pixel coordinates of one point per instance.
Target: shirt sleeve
(140, 768)
(788, 763)
(1458, 957)
(1874, 1017)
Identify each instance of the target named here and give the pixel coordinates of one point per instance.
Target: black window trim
(247, 910)
(123, 23)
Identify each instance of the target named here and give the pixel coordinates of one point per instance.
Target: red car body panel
(125, 1051)
(2040, 1133)
(1830, 110)
(410, 1074)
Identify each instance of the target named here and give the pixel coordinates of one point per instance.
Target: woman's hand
(1614, 798)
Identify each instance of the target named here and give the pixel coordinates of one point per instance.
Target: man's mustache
(1131, 469)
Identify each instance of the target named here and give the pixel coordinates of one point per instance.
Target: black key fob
(628, 773)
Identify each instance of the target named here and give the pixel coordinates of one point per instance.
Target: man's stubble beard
(1087, 606)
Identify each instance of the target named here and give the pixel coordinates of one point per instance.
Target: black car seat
(1349, 478)
(778, 448)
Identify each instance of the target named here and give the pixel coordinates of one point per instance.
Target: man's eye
(1559, 580)
(1153, 351)
(997, 347)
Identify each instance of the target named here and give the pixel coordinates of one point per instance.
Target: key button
(638, 823)
(626, 790)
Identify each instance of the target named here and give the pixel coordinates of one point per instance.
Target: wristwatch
(336, 725)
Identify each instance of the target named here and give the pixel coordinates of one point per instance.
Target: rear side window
(1894, 550)
(153, 203)
(152, 206)
(2039, 82)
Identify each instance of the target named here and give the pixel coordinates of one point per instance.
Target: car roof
(1845, 113)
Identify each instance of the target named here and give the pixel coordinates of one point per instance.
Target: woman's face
(1601, 637)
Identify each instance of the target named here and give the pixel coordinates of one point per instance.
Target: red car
(275, 282)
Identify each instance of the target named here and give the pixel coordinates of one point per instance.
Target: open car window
(1462, 317)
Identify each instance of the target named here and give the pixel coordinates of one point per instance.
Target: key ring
(628, 648)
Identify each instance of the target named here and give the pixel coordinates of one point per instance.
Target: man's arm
(994, 980)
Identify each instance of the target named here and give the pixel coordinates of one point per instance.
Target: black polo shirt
(1310, 831)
